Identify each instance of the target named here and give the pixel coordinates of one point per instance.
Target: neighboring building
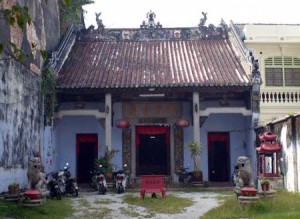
(152, 77)
(288, 131)
(277, 48)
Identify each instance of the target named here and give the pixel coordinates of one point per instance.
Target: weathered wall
(288, 131)
(20, 114)
(20, 99)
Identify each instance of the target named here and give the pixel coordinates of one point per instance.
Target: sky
(187, 13)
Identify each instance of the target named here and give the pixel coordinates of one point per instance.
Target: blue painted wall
(65, 145)
(238, 126)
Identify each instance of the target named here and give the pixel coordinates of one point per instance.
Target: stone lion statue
(36, 179)
(245, 174)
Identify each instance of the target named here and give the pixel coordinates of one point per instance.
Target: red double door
(218, 156)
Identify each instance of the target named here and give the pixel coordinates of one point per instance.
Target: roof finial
(151, 24)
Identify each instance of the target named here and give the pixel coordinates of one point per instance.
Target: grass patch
(93, 213)
(103, 201)
(129, 212)
(51, 209)
(283, 205)
(169, 205)
(84, 203)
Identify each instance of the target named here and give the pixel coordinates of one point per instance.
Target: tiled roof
(166, 63)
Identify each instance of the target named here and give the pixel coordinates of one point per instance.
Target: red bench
(153, 184)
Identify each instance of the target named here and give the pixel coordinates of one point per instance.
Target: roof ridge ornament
(151, 30)
(203, 20)
(99, 22)
(151, 23)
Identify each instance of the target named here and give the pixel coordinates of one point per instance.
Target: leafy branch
(18, 16)
(48, 89)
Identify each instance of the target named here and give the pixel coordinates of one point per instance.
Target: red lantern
(122, 124)
(182, 123)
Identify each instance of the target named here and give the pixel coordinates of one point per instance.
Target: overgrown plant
(49, 93)
(106, 160)
(18, 16)
(195, 149)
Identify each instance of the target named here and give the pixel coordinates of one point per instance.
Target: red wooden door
(218, 156)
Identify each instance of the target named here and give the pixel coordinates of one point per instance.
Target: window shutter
(292, 77)
(296, 62)
(274, 77)
(269, 61)
(288, 61)
(278, 61)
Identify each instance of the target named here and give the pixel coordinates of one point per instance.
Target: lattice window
(292, 77)
(274, 77)
(282, 71)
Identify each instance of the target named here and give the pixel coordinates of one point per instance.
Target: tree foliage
(15, 16)
(18, 16)
(71, 13)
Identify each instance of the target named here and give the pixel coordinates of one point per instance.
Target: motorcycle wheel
(190, 179)
(102, 190)
(120, 189)
(58, 194)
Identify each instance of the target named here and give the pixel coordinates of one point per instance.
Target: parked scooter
(61, 181)
(234, 175)
(67, 184)
(101, 181)
(185, 176)
(71, 184)
(121, 180)
(52, 185)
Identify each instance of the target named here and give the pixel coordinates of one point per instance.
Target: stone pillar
(172, 154)
(196, 121)
(108, 118)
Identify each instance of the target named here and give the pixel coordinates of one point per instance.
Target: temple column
(196, 121)
(108, 118)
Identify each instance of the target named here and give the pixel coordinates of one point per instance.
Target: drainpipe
(196, 120)
(108, 113)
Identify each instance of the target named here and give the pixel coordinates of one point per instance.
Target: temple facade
(148, 92)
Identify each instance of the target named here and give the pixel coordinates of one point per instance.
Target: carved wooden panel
(178, 134)
(127, 152)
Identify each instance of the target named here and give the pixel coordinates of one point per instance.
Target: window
(282, 71)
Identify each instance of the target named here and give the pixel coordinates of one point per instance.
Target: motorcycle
(101, 181)
(52, 185)
(234, 175)
(71, 184)
(61, 181)
(185, 176)
(93, 180)
(121, 180)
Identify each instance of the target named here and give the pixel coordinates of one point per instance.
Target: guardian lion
(245, 174)
(36, 179)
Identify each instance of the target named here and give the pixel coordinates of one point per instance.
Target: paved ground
(93, 205)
